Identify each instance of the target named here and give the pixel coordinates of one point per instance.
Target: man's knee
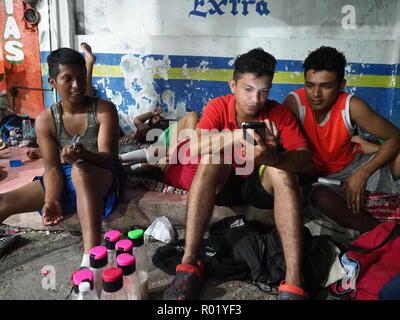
(86, 173)
(208, 166)
(279, 177)
(80, 172)
(193, 116)
(212, 175)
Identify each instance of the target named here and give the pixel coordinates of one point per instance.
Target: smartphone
(258, 127)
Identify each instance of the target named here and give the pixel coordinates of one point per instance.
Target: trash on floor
(161, 229)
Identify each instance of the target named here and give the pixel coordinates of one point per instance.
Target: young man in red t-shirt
(329, 117)
(268, 182)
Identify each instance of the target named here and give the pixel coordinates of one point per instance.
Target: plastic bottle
(98, 263)
(85, 292)
(84, 275)
(123, 246)
(110, 239)
(127, 263)
(26, 130)
(142, 266)
(79, 277)
(113, 288)
(15, 154)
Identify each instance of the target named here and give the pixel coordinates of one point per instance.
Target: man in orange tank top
(329, 117)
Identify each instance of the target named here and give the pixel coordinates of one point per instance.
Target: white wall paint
(292, 28)
(165, 27)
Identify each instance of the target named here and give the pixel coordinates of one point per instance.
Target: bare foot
(33, 153)
(89, 56)
(52, 213)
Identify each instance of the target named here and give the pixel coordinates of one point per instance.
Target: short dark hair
(326, 58)
(256, 61)
(64, 56)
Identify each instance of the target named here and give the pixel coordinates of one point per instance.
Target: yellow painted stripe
(368, 80)
(281, 77)
(103, 71)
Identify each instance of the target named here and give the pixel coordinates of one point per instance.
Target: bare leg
(183, 130)
(90, 59)
(331, 204)
(187, 123)
(90, 203)
(288, 219)
(208, 180)
(27, 198)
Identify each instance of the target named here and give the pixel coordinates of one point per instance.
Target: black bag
(249, 250)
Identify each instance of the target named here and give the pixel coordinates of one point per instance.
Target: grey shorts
(380, 181)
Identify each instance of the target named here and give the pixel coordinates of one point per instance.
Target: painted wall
(20, 51)
(179, 53)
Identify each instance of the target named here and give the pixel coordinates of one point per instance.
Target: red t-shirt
(220, 114)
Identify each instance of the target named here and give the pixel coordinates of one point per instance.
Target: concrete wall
(179, 53)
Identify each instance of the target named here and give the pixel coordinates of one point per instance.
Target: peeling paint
(203, 66)
(138, 81)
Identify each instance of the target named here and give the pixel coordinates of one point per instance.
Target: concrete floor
(60, 253)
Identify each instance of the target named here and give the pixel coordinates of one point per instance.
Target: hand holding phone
(258, 127)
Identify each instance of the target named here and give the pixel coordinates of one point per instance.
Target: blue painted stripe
(177, 61)
(198, 93)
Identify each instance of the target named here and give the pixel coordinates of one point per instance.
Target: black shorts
(245, 191)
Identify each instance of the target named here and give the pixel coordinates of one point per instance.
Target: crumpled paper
(161, 229)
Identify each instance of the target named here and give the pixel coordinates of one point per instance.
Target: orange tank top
(329, 140)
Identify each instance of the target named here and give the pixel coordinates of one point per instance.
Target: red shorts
(181, 175)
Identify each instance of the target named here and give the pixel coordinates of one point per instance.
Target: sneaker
(7, 243)
(291, 292)
(187, 283)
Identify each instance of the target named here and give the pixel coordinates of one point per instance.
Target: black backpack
(237, 249)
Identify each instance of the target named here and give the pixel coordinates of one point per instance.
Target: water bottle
(142, 266)
(123, 246)
(15, 152)
(26, 130)
(98, 263)
(110, 239)
(83, 286)
(127, 263)
(84, 275)
(85, 292)
(113, 286)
